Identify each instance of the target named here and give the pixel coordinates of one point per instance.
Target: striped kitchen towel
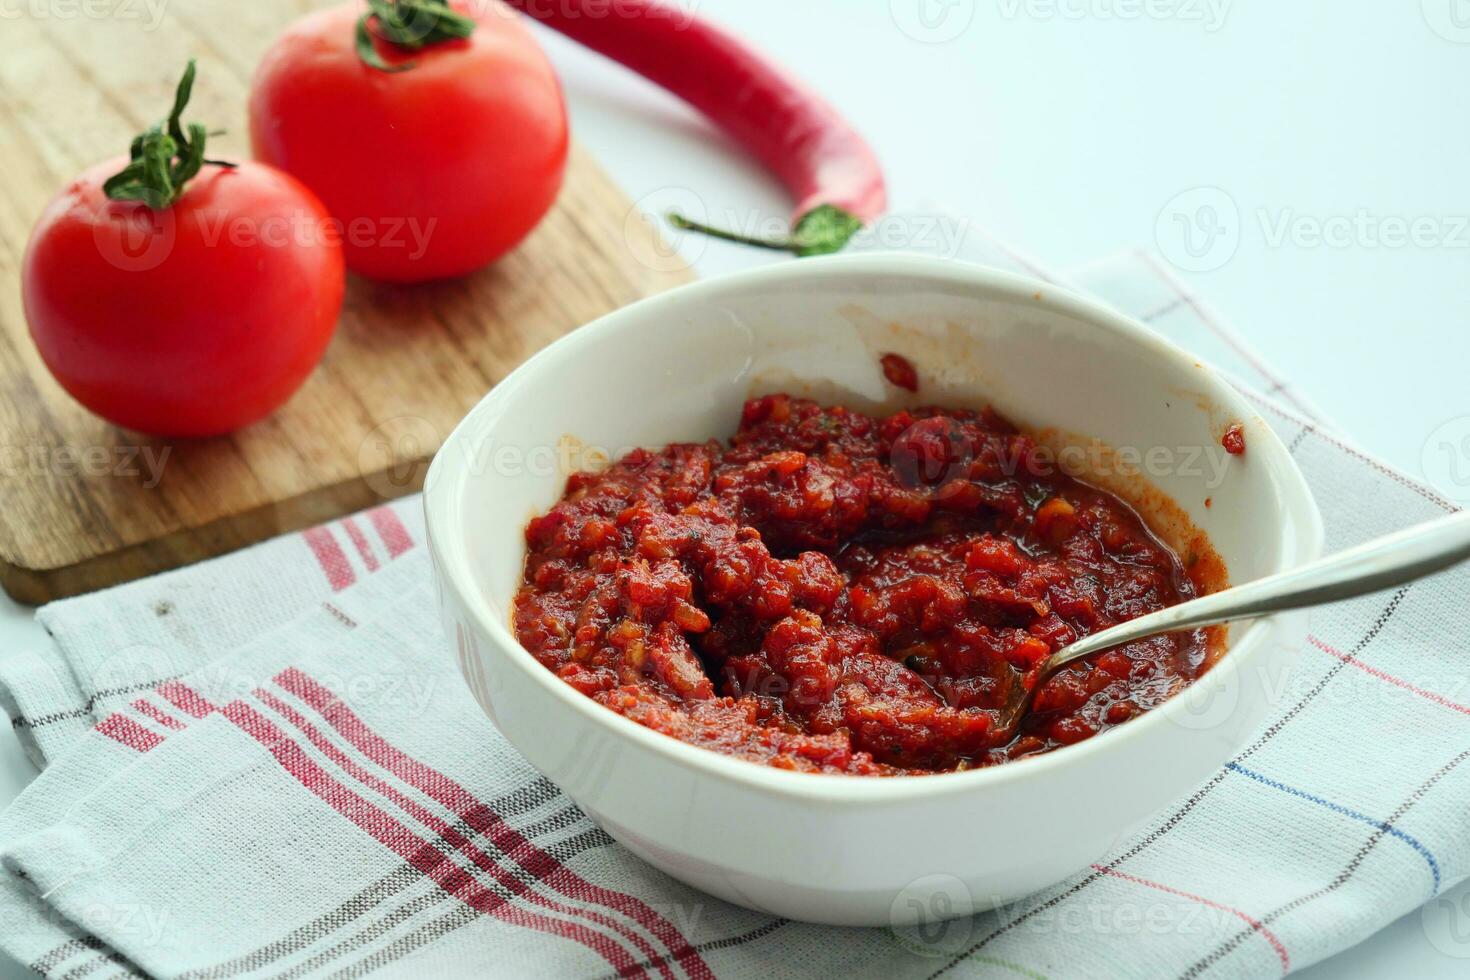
(267, 765)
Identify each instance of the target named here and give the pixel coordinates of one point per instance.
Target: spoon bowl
(1383, 563)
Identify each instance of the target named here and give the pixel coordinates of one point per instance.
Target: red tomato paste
(834, 592)
(1234, 440)
(900, 371)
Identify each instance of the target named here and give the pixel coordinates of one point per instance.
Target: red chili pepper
(821, 160)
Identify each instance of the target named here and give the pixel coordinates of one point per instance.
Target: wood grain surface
(84, 504)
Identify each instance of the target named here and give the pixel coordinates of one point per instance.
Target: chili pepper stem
(823, 230)
(685, 224)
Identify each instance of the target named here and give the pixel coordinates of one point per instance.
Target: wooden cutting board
(84, 504)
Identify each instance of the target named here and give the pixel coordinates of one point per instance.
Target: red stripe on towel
(121, 728)
(395, 536)
(331, 557)
(418, 852)
(157, 714)
(360, 542)
(1255, 924)
(485, 820)
(185, 698)
(1382, 675)
(447, 833)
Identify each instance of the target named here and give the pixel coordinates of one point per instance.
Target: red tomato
(433, 171)
(192, 320)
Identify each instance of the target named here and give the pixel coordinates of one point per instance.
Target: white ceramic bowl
(837, 849)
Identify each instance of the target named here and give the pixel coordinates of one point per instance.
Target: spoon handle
(1372, 567)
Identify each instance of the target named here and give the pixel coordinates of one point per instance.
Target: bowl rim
(447, 479)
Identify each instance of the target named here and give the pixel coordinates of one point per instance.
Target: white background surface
(1331, 142)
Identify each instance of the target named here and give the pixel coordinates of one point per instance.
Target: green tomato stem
(410, 24)
(163, 158)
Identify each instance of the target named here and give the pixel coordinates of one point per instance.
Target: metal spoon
(1372, 567)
